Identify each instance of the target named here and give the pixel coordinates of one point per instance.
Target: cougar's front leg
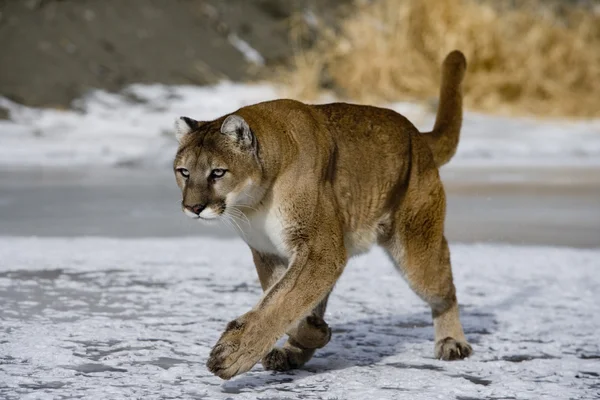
(316, 263)
(305, 335)
(269, 267)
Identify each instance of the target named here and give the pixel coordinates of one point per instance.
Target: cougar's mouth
(207, 214)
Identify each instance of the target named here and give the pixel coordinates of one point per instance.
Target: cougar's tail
(443, 139)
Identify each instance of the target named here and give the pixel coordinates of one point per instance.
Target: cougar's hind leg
(417, 246)
(305, 336)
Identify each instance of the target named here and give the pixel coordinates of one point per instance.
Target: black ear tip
(192, 123)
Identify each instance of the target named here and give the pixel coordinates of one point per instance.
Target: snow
(102, 318)
(136, 128)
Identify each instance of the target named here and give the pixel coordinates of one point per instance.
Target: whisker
(232, 219)
(228, 221)
(247, 206)
(240, 229)
(229, 224)
(252, 197)
(240, 214)
(236, 209)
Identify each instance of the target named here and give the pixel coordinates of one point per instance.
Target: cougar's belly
(361, 235)
(361, 240)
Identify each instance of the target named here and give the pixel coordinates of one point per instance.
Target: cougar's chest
(264, 232)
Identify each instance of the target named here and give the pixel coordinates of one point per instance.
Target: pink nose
(196, 208)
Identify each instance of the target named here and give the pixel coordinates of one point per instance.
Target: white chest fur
(264, 232)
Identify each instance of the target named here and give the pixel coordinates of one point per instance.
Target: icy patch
(104, 318)
(136, 128)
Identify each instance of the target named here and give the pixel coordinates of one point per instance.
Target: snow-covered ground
(136, 318)
(135, 128)
(122, 319)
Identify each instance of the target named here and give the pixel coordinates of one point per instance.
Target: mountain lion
(315, 185)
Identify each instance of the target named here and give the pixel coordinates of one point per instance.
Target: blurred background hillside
(53, 51)
(525, 56)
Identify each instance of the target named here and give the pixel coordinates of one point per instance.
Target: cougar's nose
(196, 208)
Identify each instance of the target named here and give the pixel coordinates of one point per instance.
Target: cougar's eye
(184, 172)
(217, 173)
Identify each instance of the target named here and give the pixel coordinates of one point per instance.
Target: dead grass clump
(526, 59)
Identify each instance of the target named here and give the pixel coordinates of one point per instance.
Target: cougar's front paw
(241, 346)
(449, 349)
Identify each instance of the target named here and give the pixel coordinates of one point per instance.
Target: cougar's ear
(183, 126)
(237, 128)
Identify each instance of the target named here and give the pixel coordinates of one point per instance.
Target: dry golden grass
(527, 59)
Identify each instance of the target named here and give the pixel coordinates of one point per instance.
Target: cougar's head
(216, 167)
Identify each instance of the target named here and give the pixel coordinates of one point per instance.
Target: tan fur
(308, 186)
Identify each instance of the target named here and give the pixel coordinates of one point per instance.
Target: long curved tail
(443, 139)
